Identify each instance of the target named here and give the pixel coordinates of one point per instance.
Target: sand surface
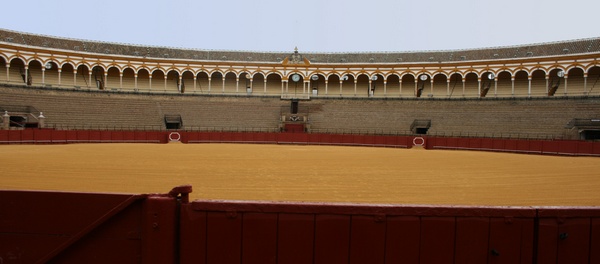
(306, 173)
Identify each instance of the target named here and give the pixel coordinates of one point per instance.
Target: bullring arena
(493, 152)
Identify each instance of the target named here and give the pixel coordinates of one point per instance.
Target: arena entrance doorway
(590, 134)
(173, 121)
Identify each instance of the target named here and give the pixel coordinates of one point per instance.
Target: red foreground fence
(51, 136)
(54, 227)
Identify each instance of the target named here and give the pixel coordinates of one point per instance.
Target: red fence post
(437, 240)
(296, 238)
(332, 238)
(260, 238)
(158, 230)
(367, 243)
(403, 239)
(511, 240)
(472, 236)
(224, 237)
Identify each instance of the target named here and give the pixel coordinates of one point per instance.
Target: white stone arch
(212, 72)
(3, 56)
(390, 73)
(275, 82)
(590, 65)
(35, 58)
(292, 72)
(438, 86)
(575, 66)
(16, 57)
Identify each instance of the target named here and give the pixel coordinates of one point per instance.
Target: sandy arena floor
(306, 173)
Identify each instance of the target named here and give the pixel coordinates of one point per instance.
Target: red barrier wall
(41, 227)
(329, 233)
(553, 147)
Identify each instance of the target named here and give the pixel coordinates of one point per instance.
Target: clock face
(295, 77)
(561, 74)
(491, 76)
(423, 77)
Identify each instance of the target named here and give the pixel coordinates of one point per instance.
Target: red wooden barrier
(562, 147)
(522, 145)
(14, 135)
(567, 147)
(326, 233)
(43, 136)
(128, 136)
(83, 135)
(510, 144)
(59, 136)
(117, 136)
(71, 135)
(106, 136)
(27, 136)
(474, 143)
(550, 147)
(40, 227)
(565, 235)
(295, 238)
(487, 143)
(95, 136)
(3, 136)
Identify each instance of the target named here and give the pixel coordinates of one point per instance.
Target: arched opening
(317, 84)
(83, 76)
(230, 86)
(347, 85)
(407, 87)
(392, 86)
(187, 82)
(244, 84)
(259, 84)
(593, 80)
(376, 85)
(113, 79)
(521, 84)
(172, 83)
(2, 69)
(51, 74)
(504, 84)
(296, 84)
(471, 85)
(157, 80)
(487, 83)
(35, 73)
(575, 82)
(362, 85)
(143, 79)
(17, 71)
(128, 79)
(98, 77)
(424, 83)
(555, 81)
(440, 86)
(202, 82)
(538, 83)
(274, 84)
(455, 84)
(333, 85)
(216, 82)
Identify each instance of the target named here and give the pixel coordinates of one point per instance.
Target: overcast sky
(312, 25)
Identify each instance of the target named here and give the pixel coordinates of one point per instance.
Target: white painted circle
(418, 141)
(174, 136)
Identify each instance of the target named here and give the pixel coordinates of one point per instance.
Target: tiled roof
(580, 46)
